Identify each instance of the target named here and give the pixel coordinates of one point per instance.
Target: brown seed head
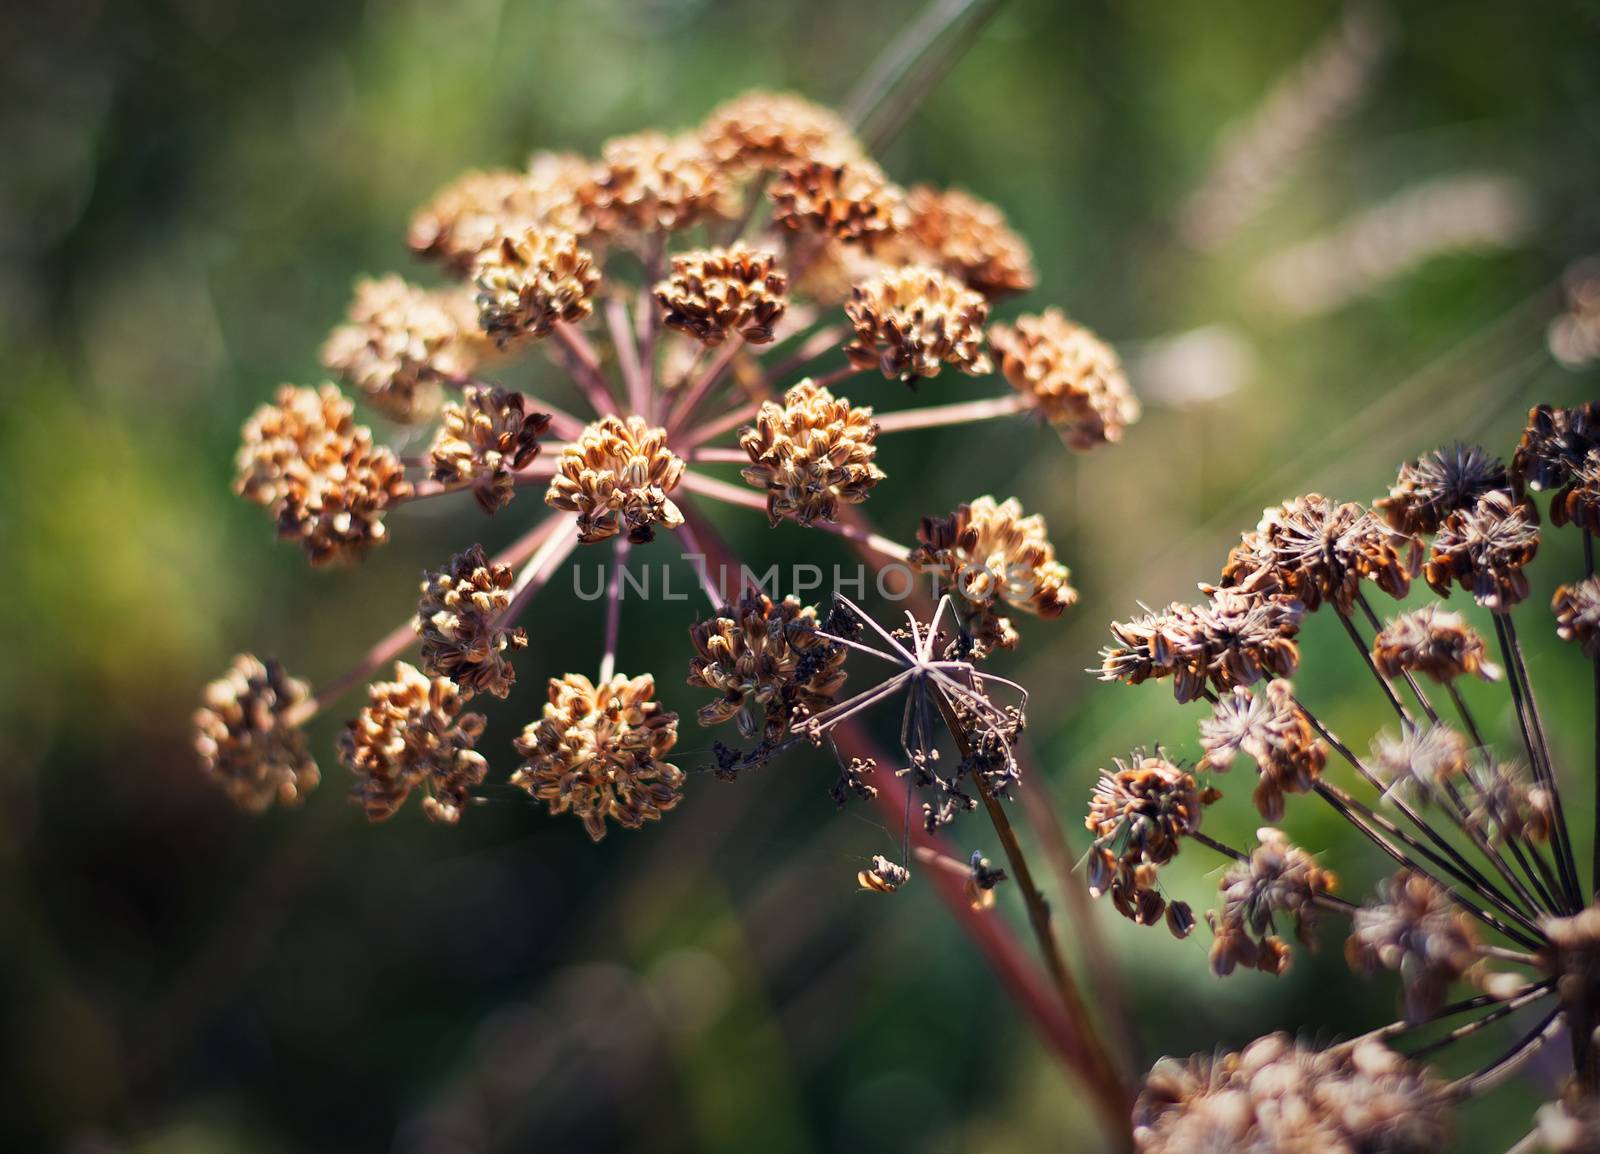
(851, 202)
(1074, 378)
(1579, 503)
(1270, 728)
(1414, 928)
(1278, 1096)
(459, 620)
(1317, 550)
(1246, 636)
(968, 238)
(483, 440)
(1138, 814)
(531, 281)
(616, 478)
(1505, 805)
(1554, 443)
(1435, 641)
(1157, 645)
(326, 483)
(718, 291)
(401, 343)
(765, 131)
(597, 753)
(478, 208)
(988, 552)
(810, 454)
(910, 322)
(651, 182)
(1279, 878)
(412, 735)
(1439, 483)
(1422, 759)
(1485, 549)
(1577, 610)
(884, 877)
(249, 739)
(767, 661)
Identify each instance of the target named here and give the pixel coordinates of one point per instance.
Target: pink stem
(722, 491)
(955, 414)
(722, 456)
(627, 355)
(685, 405)
(584, 365)
(619, 558)
(713, 429)
(537, 573)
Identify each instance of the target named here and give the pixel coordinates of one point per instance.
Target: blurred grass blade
(910, 64)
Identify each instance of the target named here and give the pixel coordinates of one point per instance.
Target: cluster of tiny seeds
(811, 454)
(532, 281)
(483, 440)
(248, 735)
(715, 293)
(616, 478)
(1073, 378)
(910, 322)
(459, 620)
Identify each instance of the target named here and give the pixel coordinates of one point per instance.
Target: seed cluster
(715, 293)
(1071, 376)
(617, 478)
(910, 322)
(459, 618)
(249, 739)
(811, 454)
(483, 440)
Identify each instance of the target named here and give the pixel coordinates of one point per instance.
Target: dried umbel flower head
(1506, 806)
(1485, 549)
(1278, 1096)
(1555, 442)
(1139, 813)
(1269, 727)
(483, 439)
(326, 483)
(1421, 759)
(910, 322)
(249, 739)
(1278, 878)
(768, 662)
(1415, 929)
(1317, 550)
(851, 202)
(530, 281)
(811, 454)
(471, 213)
(616, 478)
(968, 238)
(650, 181)
(988, 552)
(1070, 375)
(765, 131)
(1579, 503)
(401, 343)
(884, 877)
(1434, 641)
(597, 753)
(714, 293)
(1236, 639)
(412, 735)
(459, 620)
(1577, 610)
(1439, 483)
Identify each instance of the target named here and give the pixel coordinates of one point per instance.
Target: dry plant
(1487, 894)
(709, 295)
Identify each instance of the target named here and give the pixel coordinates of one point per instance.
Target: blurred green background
(189, 188)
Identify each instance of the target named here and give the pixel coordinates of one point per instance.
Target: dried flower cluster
(714, 293)
(1489, 891)
(532, 281)
(811, 454)
(402, 345)
(597, 753)
(1073, 378)
(248, 738)
(412, 735)
(617, 478)
(459, 618)
(1282, 1095)
(483, 441)
(326, 483)
(910, 322)
(768, 662)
